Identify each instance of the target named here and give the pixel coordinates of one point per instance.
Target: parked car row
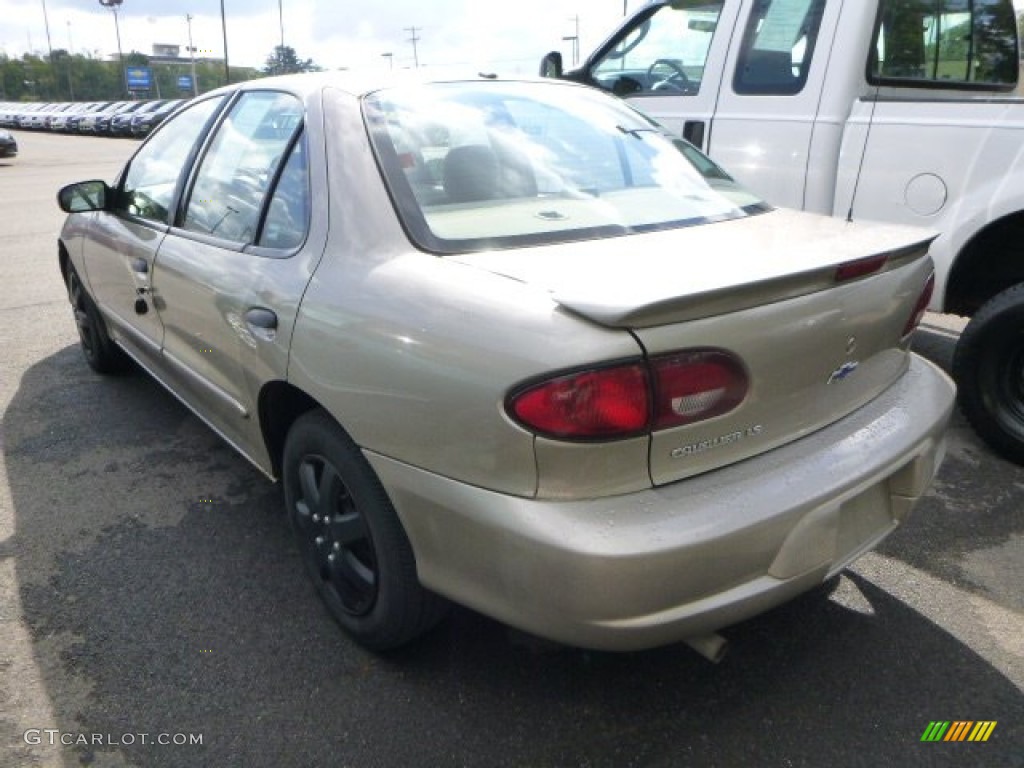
(110, 118)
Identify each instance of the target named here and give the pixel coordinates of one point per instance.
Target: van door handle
(693, 132)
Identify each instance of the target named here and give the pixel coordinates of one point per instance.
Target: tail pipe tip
(711, 646)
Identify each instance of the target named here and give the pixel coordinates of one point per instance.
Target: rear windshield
(483, 165)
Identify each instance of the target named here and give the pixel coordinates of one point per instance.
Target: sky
(508, 37)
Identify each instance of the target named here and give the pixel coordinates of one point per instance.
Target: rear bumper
(657, 566)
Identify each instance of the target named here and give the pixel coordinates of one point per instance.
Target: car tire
(351, 540)
(988, 367)
(100, 351)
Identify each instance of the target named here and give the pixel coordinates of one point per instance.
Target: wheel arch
(64, 260)
(991, 261)
(280, 404)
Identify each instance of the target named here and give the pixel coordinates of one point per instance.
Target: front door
(229, 275)
(120, 254)
(668, 63)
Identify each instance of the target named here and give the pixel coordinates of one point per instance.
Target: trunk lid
(765, 290)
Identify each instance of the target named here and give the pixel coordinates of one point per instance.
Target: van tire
(988, 366)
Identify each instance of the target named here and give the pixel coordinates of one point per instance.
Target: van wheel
(351, 540)
(989, 370)
(100, 352)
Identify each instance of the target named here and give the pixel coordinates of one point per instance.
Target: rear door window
(241, 165)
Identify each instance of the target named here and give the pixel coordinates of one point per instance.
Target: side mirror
(84, 196)
(551, 65)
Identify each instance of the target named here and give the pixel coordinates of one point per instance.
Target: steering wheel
(676, 80)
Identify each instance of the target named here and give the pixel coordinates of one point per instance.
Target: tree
(284, 61)
(31, 77)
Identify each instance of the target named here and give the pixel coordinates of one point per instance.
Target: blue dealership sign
(139, 78)
(185, 82)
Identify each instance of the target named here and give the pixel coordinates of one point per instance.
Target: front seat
(470, 174)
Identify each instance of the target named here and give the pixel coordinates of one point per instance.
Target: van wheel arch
(990, 262)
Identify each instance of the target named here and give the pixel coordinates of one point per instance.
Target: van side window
(945, 44)
(778, 46)
(663, 56)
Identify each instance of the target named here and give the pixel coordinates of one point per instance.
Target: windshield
(488, 164)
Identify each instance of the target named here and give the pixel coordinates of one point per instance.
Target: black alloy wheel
(100, 352)
(350, 538)
(338, 547)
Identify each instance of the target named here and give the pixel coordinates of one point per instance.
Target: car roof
(361, 83)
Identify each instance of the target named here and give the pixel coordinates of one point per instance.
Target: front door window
(663, 56)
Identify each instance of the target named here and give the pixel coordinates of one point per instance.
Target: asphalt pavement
(154, 612)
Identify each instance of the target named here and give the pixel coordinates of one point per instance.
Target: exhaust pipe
(711, 646)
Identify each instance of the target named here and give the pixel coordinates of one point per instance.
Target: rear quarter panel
(414, 354)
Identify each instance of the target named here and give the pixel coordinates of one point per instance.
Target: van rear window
(945, 44)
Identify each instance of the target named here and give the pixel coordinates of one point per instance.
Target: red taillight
(696, 385)
(851, 270)
(631, 399)
(922, 305)
(602, 403)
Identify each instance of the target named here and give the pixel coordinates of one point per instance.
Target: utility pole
(192, 55)
(414, 39)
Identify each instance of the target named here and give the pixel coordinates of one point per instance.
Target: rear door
(767, 115)
(230, 274)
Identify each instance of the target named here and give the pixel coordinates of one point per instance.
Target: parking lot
(150, 588)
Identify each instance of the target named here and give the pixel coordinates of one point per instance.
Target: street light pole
(113, 5)
(192, 55)
(391, 59)
(280, 21)
(71, 54)
(224, 28)
(49, 46)
(575, 40)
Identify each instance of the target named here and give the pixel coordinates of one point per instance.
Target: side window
(665, 55)
(148, 187)
(945, 44)
(778, 46)
(241, 162)
(288, 212)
